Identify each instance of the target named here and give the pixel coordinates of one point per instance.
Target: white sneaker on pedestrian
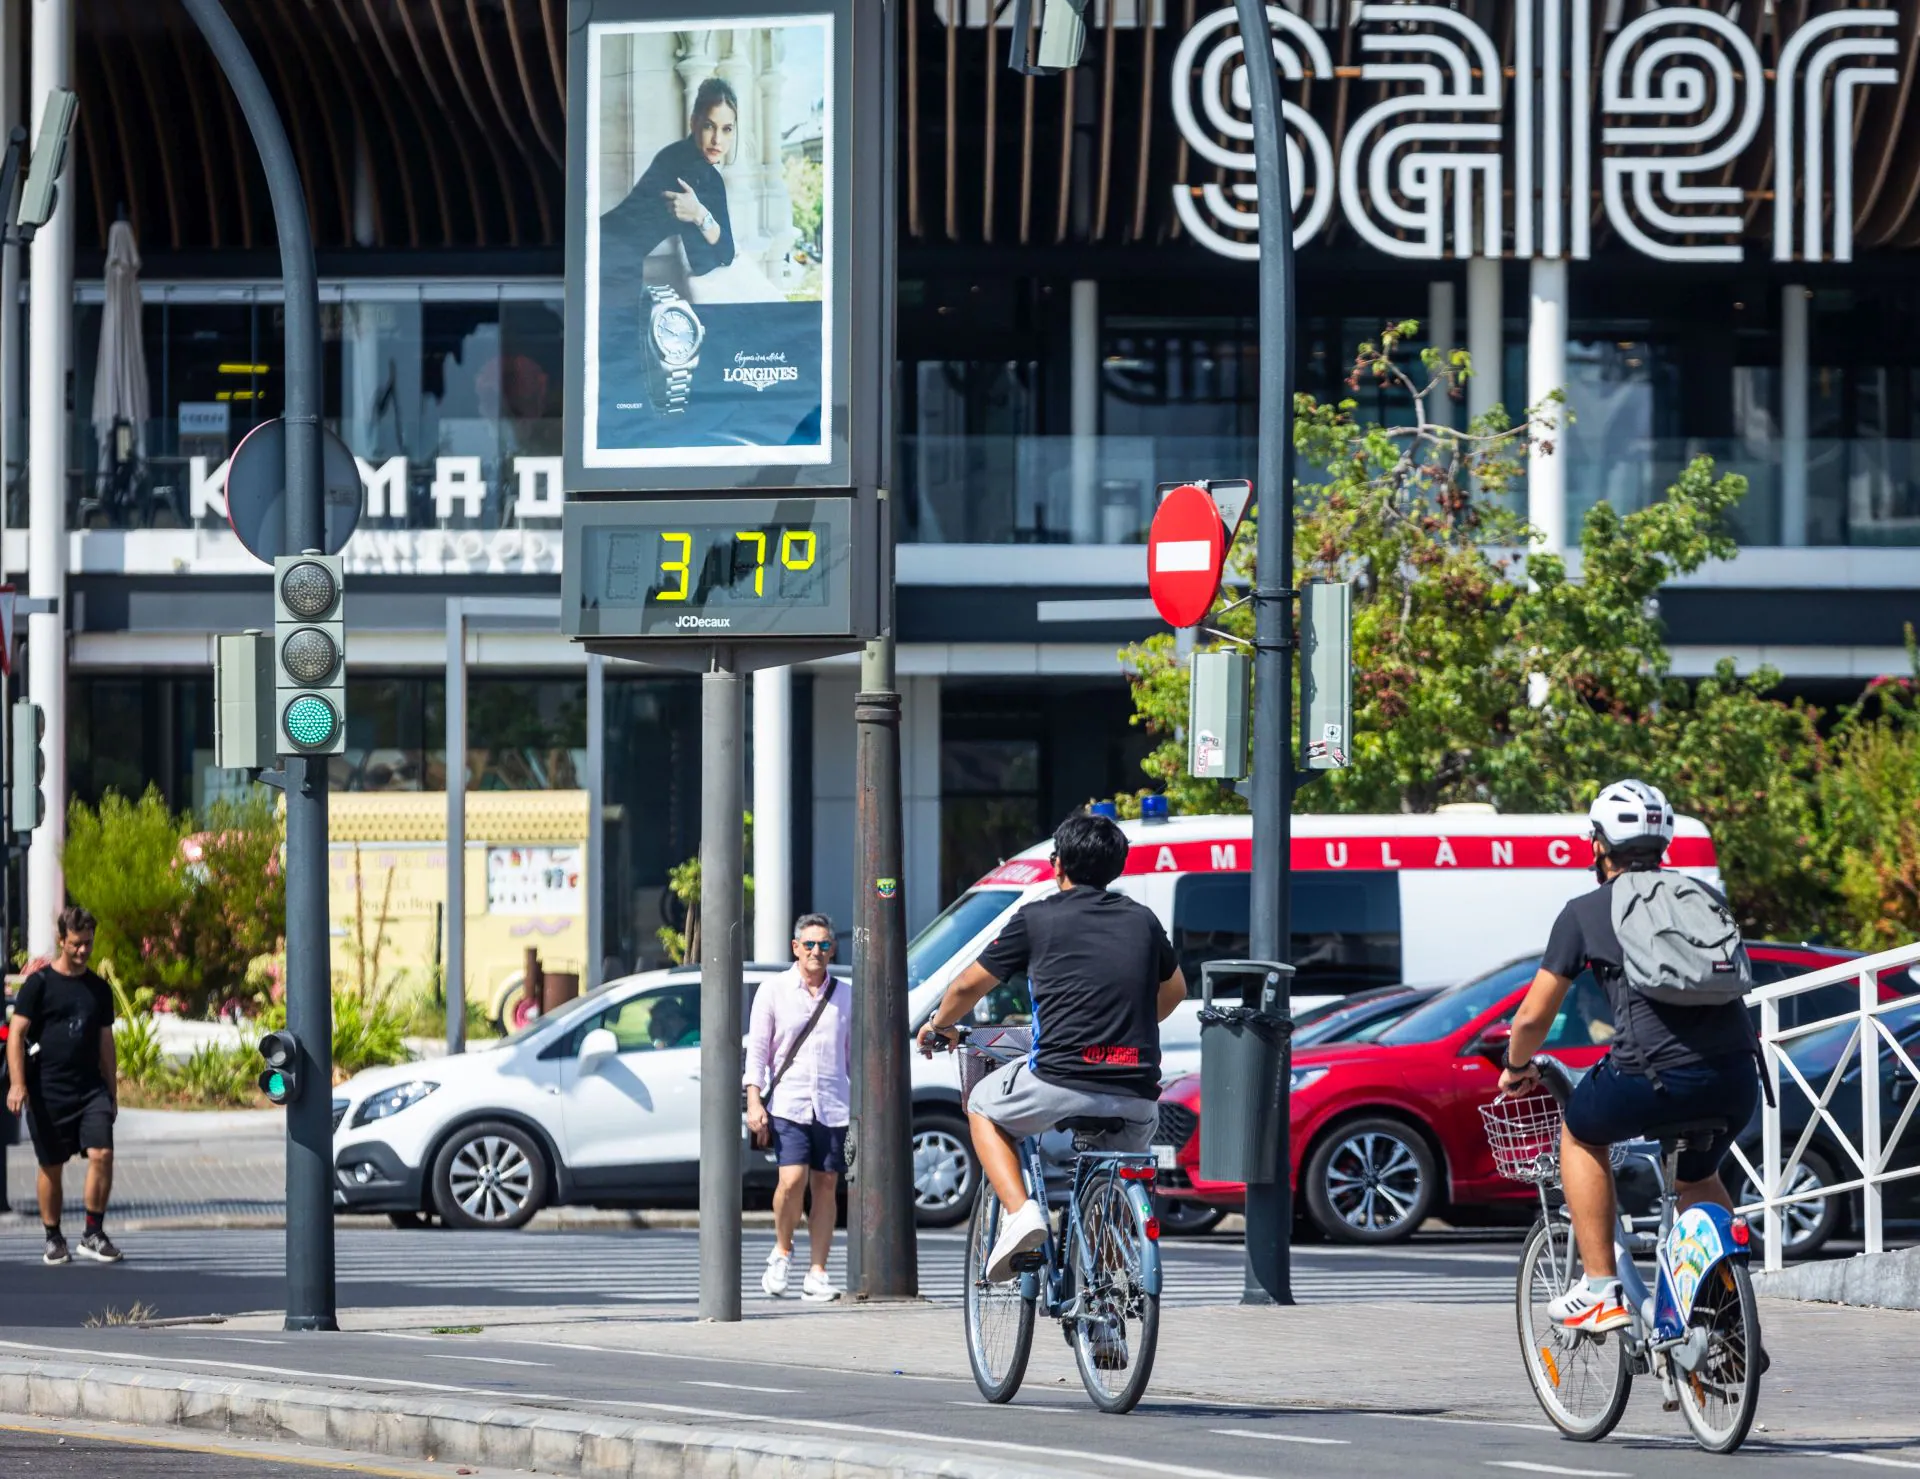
(774, 1281)
(818, 1288)
(1021, 1232)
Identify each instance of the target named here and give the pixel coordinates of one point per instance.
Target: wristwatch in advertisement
(671, 348)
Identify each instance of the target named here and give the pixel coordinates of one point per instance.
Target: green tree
(1869, 795)
(1485, 671)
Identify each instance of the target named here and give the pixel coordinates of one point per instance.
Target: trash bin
(557, 988)
(1244, 1053)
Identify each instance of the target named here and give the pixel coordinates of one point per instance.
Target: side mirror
(596, 1047)
(1491, 1043)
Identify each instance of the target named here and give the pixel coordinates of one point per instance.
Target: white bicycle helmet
(1632, 815)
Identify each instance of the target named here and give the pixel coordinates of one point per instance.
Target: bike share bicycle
(1098, 1273)
(1697, 1331)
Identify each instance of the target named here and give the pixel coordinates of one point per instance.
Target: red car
(1387, 1133)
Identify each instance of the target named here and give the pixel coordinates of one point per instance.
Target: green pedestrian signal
(280, 1080)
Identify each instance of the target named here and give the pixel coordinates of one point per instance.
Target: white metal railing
(1871, 1039)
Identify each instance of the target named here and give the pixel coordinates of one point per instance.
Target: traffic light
(309, 655)
(27, 804)
(280, 1079)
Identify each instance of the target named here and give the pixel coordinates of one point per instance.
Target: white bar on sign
(1174, 555)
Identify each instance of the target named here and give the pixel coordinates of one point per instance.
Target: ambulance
(1376, 900)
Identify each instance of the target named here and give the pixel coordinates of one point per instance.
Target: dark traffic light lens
(311, 721)
(309, 655)
(308, 589)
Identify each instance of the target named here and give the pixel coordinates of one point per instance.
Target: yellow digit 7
(680, 567)
(796, 539)
(758, 540)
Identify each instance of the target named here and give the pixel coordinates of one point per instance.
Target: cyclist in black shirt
(1668, 1063)
(1104, 978)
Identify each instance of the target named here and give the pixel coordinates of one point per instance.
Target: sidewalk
(213, 1167)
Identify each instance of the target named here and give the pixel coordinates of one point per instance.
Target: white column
(49, 352)
(1547, 372)
(1485, 342)
(1442, 334)
(1085, 421)
(773, 910)
(1795, 395)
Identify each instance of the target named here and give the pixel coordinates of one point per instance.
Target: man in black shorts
(1668, 1062)
(1104, 978)
(62, 1069)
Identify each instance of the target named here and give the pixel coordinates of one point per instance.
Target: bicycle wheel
(1582, 1380)
(1720, 1398)
(999, 1321)
(1114, 1337)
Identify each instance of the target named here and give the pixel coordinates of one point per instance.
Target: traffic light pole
(1270, 1204)
(310, 1261)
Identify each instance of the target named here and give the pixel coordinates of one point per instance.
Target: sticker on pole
(1186, 551)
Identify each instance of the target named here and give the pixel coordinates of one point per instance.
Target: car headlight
(391, 1101)
(1301, 1077)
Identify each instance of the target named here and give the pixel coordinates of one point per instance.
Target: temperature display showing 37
(706, 567)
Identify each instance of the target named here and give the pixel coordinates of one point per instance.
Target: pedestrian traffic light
(310, 654)
(27, 803)
(280, 1079)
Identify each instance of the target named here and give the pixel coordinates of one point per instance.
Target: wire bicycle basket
(1523, 1132)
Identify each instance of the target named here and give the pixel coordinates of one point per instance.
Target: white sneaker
(818, 1288)
(1581, 1308)
(1022, 1232)
(774, 1281)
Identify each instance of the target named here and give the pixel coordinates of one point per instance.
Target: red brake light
(1138, 1173)
(1153, 1229)
(1741, 1232)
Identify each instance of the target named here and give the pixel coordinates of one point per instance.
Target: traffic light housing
(27, 761)
(309, 655)
(280, 1079)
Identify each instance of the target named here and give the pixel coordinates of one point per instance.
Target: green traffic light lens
(276, 1085)
(311, 722)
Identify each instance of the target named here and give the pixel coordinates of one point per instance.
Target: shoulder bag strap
(794, 1051)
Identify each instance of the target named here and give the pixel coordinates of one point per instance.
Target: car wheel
(1371, 1181)
(1182, 1217)
(1809, 1224)
(489, 1175)
(945, 1171)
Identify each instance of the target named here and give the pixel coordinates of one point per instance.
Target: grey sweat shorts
(1022, 1103)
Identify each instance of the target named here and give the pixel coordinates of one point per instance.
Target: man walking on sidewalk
(800, 1023)
(70, 1085)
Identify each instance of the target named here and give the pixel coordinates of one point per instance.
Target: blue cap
(1153, 808)
(1104, 809)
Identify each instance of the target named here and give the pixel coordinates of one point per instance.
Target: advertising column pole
(1270, 1203)
(722, 905)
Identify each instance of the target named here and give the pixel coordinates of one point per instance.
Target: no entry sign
(1186, 550)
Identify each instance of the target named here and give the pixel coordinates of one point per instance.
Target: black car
(1357, 1017)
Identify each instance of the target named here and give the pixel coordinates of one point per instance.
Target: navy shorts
(1609, 1106)
(813, 1145)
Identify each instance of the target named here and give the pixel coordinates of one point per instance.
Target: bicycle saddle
(1093, 1124)
(1700, 1129)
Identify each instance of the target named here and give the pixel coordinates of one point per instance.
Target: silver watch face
(677, 335)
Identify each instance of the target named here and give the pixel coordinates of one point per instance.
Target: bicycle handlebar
(1555, 1079)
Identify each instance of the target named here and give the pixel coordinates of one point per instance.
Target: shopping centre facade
(1698, 219)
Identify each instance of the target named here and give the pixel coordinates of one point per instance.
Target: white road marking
(734, 1386)
(1869, 1458)
(243, 1340)
(1280, 1437)
(488, 1360)
(1514, 1463)
(1009, 1406)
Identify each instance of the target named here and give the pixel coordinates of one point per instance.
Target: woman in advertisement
(681, 194)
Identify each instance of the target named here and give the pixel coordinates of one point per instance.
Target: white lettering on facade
(1683, 95)
(457, 479)
(1443, 855)
(385, 487)
(1164, 863)
(1336, 855)
(1502, 854)
(206, 491)
(1559, 853)
(542, 495)
(1226, 857)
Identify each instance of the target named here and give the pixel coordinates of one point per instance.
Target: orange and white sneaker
(1592, 1310)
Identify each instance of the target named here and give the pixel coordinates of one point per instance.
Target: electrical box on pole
(1218, 687)
(310, 655)
(42, 190)
(243, 702)
(27, 758)
(1326, 675)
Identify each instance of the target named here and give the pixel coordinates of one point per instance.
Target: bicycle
(1697, 1331)
(1105, 1293)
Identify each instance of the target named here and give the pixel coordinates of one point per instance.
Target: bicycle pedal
(1028, 1263)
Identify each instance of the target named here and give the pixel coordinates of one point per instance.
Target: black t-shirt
(1096, 960)
(1650, 1035)
(66, 1015)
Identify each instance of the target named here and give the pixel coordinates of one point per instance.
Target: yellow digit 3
(680, 567)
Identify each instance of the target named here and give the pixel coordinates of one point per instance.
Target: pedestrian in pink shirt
(798, 1093)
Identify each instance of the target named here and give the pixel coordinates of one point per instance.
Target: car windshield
(958, 923)
(1816, 1054)
(1332, 1018)
(566, 1013)
(1454, 1008)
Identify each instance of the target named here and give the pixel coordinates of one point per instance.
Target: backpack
(1679, 943)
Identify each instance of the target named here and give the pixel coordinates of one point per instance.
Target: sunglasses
(819, 947)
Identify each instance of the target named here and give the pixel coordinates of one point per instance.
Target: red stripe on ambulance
(1327, 854)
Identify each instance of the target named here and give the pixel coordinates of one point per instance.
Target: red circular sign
(1186, 550)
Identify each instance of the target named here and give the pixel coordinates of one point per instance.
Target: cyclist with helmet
(1668, 1062)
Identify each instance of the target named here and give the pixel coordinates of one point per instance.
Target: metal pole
(722, 902)
(1270, 1204)
(310, 1285)
(455, 986)
(596, 819)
